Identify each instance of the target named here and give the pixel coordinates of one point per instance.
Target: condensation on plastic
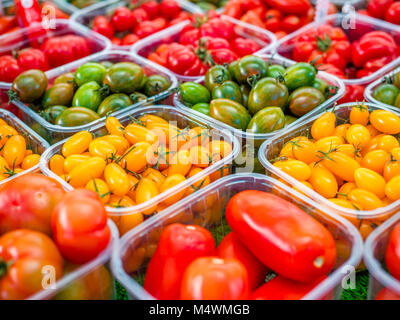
(86, 16)
(12, 41)
(206, 208)
(54, 133)
(284, 46)
(169, 113)
(33, 141)
(271, 148)
(147, 45)
(257, 138)
(90, 271)
(369, 90)
(374, 258)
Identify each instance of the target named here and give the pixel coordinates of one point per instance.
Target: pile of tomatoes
(253, 95)
(355, 165)
(389, 91)
(202, 44)
(187, 264)
(278, 16)
(388, 10)
(41, 227)
(137, 162)
(125, 26)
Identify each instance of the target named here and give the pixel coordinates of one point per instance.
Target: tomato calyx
(331, 91)
(12, 96)
(98, 192)
(323, 44)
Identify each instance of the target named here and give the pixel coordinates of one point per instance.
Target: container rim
(374, 266)
(317, 292)
(311, 193)
(44, 159)
(249, 135)
(359, 17)
(86, 268)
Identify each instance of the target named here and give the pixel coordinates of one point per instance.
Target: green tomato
(124, 77)
(304, 99)
(89, 95)
(29, 86)
(301, 74)
(193, 93)
(58, 94)
(245, 90)
(65, 78)
(321, 85)
(90, 71)
(76, 116)
(228, 90)
(396, 80)
(230, 112)
(50, 114)
(137, 97)
(386, 93)
(231, 69)
(397, 101)
(156, 84)
(215, 76)
(250, 66)
(289, 119)
(267, 92)
(107, 64)
(202, 108)
(275, 71)
(267, 120)
(112, 103)
(206, 6)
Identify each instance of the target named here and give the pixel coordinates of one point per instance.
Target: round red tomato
(122, 19)
(103, 26)
(152, 8)
(393, 13)
(9, 68)
(170, 9)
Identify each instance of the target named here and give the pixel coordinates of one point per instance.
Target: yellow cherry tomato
(372, 130)
(28, 152)
(114, 127)
(324, 126)
(345, 203)
(366, 228)
(135, 158)
(391, 170)
(287, 149)
(349, 150)
(358, 135)
(170, 182)
(102, 149)
(369, 180)
(77, 144)
(366, 199)
(6, 132)
(181, 163)
(392, 189)
(133, 182)
(120, 202)
(117, 179)
(135, 133)
(30, 161)
(14, 150)
(219, 149)
(385, 121)
(388, 142)
(359, 114)
(200, 156)
(375, 160)
(395, 154)
(341, 130)
(304, 151)
(341, 165)
(160, 157)
(178, 140)
(56, 164)
(73, 160)
(201, 183)
(323, 182)
(146, 190)
(128, 221)
(101, 188)
(84, 172)
(345, 189)
(295, 168)
(4, 167)
(198, 136)
(118, 142)
(372, 144)
(154, 175)
(164, 131)
(327, 144)
(149, 119)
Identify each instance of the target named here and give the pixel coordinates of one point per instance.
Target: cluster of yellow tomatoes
(133, 164)
(15, 157)
(355, 164)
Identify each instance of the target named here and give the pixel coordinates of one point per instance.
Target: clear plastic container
(90, 281)
(67, 5)
(206, 208)
(369, 90)
(147, 45)
(22, 38)
(54, 133)
(33, 141)
(362, 25)
(183, 119)
(105, 8)
(253, 140)
(366, 220)
(374, 258)
(357, 4)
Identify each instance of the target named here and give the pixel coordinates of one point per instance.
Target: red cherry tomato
(152, 8)
(139, 15)
(130, 39)
(378, 8)
(9, 68)
(170, 9)
(393, 13)
(32, 59)
(122, 19)
(103, 26)
(243, 47)
(290, 23)
(393, 252)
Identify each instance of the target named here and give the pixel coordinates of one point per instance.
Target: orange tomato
(30, 161)
(56, 164)
(371, 181)
(323, 182)
(170, 182)
(146, 190)
(14, 150)
(366, 199)
(359, 114)
(385, 121)
(114, 127)
(324, 126)
(375, 160)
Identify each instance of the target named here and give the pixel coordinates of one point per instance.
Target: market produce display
(388, 92)
(93, 91)
(256, 96)
(127, 24)
(202, 44)
(135, 163)
(353, 164)
(41, 226)
(278, 16)
(388, 10)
